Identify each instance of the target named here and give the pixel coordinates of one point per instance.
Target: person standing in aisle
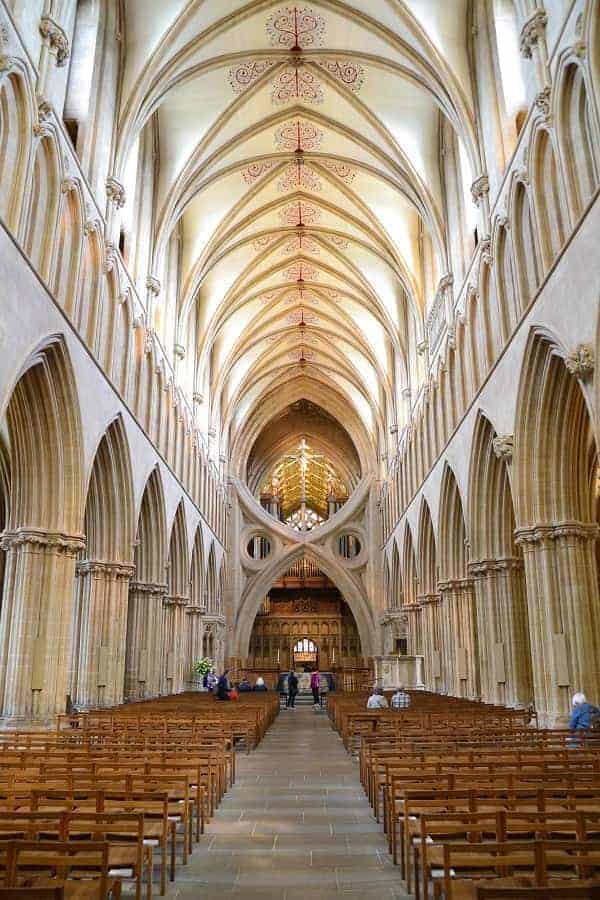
(315, 683)
(292, 690)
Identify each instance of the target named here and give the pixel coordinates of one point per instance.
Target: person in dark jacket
(244, 686)
(223, 688)
(292, 690)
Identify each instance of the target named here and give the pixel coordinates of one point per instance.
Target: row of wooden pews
(109, 794)
(477, 801)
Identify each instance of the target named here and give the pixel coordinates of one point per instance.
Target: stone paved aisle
(295, 826)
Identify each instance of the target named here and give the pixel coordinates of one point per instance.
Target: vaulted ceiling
(299, 169)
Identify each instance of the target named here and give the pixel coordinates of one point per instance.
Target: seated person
(584, 715)
(260, 684)
(244, 685)
(401, 700)
(377, 700)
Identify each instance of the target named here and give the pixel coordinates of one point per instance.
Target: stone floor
(295, 826)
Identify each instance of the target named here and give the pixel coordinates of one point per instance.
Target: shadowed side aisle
(296, 824)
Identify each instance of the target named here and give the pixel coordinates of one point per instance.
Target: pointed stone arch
(575, 134)
(497, 572)
(43, 534)
(15, 135)
(40, 225)
(556, 466)
(102, 576)
(348, 584)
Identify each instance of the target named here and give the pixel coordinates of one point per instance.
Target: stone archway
(348, 585)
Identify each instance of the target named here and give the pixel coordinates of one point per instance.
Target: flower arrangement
(202, 666)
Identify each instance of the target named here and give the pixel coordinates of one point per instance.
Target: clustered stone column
(564, 612)
(459, 637)
(172, 655)
(100, 633)
(503, 630)
(35, 630)
(430, 605)
(144, 639)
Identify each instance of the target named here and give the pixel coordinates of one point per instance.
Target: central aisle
(296, 825)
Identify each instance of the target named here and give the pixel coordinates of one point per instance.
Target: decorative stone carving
(179, 351)
(153, 285)
(542, 101)
(67, 544)
(115, 192)
(533, 29)
(197, 397)
(451, 337)
(539, 534)
(44, 111)
(480, 188)
(503, 446)
(97, 568)
(485, 246)
(422, 347)
(110, 257)
(142, 587)
(56, 38)
(68, 184)
(580, 362)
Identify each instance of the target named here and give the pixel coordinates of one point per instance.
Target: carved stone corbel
(580, 362)
(503, 446)
(480, 188)
(153, 285)
(115, 192)
(533, 29)
(57, 40)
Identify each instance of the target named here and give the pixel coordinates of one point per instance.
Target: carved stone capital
(175, 600)
(115, 192)
(141, 587)
(451, 336)
(580, 362)
(455, 585)
(446, 282)
(68, 184)
(179, 351)
(542, 101)
(543, 534)
(422, 347)
(104, 569)
(35, 540)
(153, 285)
(503, 446)
(56, 38)
(197, 397)
(501, 566)
(533, 29)
(480, 188)
(485, 247)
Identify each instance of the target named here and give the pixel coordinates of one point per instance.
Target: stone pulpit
(394, 671)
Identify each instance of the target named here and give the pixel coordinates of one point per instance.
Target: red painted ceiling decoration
(296, 28)
(301, 271)
(299, 213)
(264, 241)
(297, 83)
(244, 74)
(349, 73)
(298, 135)
(302, 295)
(300, 242)
(257, 169)
(297, 177)
(342, 170)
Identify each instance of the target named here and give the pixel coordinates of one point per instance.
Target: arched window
(305, 646)
(81, 71)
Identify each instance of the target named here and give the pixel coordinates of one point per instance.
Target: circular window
(258, 547)
(349, 546)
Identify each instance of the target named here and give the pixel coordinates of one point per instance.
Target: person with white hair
(584, 715)
(377, 700)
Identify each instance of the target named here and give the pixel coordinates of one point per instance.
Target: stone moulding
(533, 29)
(69, 544)
(96, 568)
(538, 534)
(115, 192)
(142, 587)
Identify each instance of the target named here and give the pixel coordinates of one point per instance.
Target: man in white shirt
(377, 700)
